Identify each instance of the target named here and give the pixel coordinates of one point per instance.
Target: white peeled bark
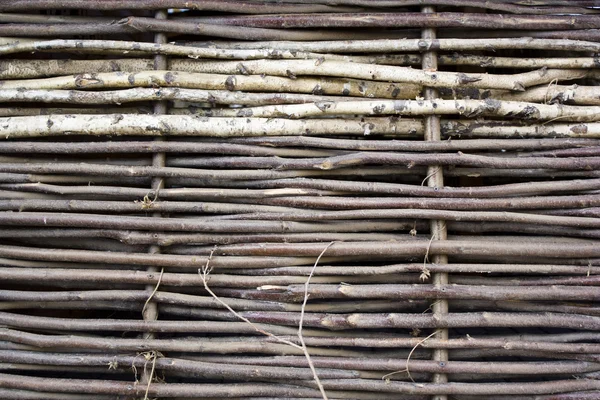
(185, 125)
(467, 108)
(390, 73)
(31, 69)
(493, 129)
(419, 45)
(28, 46)
(292, 69)
(178, 125)
(515, 62)
(574, 94)
(169, 93)
(29, 111)
(258, 83)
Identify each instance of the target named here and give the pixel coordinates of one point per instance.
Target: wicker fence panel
(349, 199)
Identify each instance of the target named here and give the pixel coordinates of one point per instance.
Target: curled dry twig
(300, 337)
(162, 271)
(387, 376)
(150, 356)
(204, 274)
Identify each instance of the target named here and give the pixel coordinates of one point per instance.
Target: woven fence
(349, 199)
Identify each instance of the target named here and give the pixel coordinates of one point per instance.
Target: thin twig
(386, 376)
(162, 271)
(433, 236)
(435, 171)
(300, 337)
(204, 273)
(153, 354)
(552, 82)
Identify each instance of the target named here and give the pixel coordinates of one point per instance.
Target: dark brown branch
(413, 20)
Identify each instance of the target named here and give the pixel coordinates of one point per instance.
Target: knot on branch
(528, 112)
(85, 80)
(323, 105)
(230, 83)
(465, 79)
(241, 68)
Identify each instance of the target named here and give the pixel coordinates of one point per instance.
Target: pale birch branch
(418, 45)
(314, 85)
(177, 125)
(466, 108)
(28, 69)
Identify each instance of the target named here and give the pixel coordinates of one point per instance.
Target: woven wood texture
(300, 199)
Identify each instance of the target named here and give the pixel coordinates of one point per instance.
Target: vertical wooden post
(150, 312)
(435, 178)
